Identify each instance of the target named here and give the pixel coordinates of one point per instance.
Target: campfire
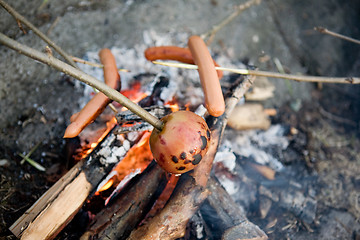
(124, 186)
(116, 161)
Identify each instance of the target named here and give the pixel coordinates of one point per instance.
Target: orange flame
(107, 185)
(138, 157)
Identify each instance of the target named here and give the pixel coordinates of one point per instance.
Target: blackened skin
(175, 159)
(204, 142)
(197, 159)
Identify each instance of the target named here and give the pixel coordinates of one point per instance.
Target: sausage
(99, 102)
(214, 100)
(173, 53)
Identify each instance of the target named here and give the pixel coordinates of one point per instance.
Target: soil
(36, 102)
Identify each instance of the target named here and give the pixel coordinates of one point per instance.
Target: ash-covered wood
(130, 122)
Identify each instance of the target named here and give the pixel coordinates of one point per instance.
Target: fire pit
(281, 182)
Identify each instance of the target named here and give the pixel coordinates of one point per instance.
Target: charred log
(118, 219)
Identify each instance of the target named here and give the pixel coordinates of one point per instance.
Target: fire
(107, 185)
(135, 162)
(135, 94)
(136, 159)
(93, 138)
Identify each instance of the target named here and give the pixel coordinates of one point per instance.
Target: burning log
(191, 191)
(117, 220)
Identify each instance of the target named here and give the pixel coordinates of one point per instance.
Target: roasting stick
(300, 78)
(173, 53)
(82, 61)
(98, 103)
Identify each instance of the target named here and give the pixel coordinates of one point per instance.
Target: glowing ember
(107, 185)
(94, 138)
(136, 159)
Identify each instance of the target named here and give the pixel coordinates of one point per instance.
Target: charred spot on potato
(180, 168)
(197, 159)
(174, 159)
(187, 161)
(183, 155)
(203, 142)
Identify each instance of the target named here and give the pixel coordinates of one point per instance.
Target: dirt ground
(37, 101)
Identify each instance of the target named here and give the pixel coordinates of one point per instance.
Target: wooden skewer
(79, 60)
(300, 78)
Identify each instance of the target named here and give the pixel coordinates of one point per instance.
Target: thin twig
(19, 17)
(80, 75)
(334, 34)
(349, 80)
(210, 34)
(98, 65)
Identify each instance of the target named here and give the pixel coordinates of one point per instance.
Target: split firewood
(64, 199)
(249, 116)
(191, 191)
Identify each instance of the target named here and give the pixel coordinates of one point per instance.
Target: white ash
(108, 141)
(226, 156)
(133, 136)
(185, 83)
(199, 231)
(231, 186)
(112, 154)
(256, 144)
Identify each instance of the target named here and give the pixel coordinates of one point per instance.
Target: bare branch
(211, 33)
(334, 34)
